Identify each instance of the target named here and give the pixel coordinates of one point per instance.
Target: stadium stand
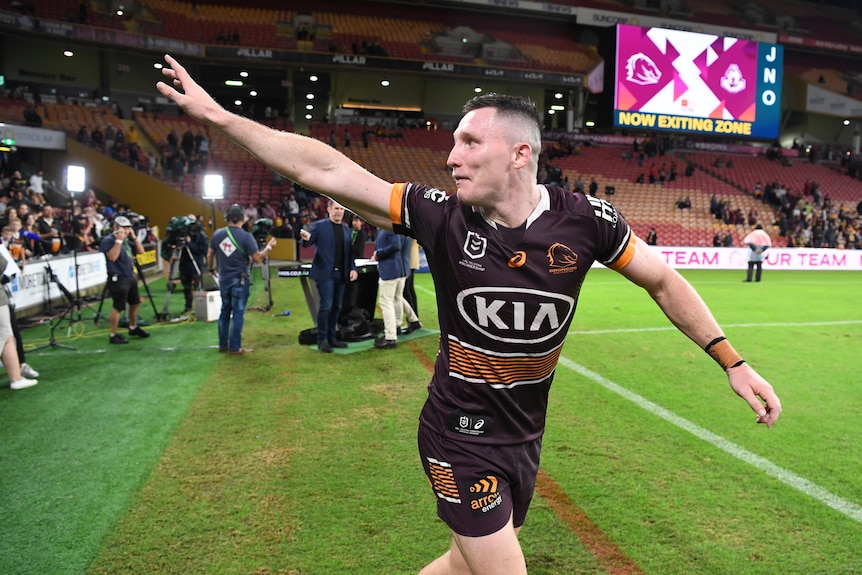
(406, 31)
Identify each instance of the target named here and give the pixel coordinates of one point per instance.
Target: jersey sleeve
(616, 240)
(418, 211)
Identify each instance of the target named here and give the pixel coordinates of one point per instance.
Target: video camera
(261, 229)
(178, 229)
(139, 222)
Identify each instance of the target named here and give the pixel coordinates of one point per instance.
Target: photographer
(192, 260)
(120, 248)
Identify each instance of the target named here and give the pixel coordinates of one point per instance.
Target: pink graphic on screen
(686, 74)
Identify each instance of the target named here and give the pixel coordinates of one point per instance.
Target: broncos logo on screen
(732, 81)
(641, 70)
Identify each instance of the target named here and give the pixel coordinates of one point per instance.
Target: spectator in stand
(753, 216)
(594, 187)
(30, 239)
(188, 142)
(249, 213)
(578, 185)
(758, 190)
(37, 182)
(83, 135)
(830, 236)
(652, 237)
(110, 136)
(265, 210)
(97, 139)
(172, 140)
(49, 231)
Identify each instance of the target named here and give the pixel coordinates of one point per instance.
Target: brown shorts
(478, 486)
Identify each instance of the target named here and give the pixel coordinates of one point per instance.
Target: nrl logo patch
(475, 245)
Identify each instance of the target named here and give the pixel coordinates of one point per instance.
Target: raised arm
(312, 163)
(688, 312)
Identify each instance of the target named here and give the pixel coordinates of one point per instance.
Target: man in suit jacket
(331, 267)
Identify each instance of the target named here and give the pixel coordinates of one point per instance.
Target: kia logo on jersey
(515, 315)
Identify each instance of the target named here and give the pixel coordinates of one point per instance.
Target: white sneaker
(22, 383)
(28, 371)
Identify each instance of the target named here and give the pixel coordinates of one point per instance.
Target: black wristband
(713, 342)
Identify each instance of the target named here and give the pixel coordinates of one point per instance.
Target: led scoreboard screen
(692, 82)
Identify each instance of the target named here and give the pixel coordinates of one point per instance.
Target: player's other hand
(759, 394)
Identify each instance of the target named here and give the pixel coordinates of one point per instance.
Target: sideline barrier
(33, 287)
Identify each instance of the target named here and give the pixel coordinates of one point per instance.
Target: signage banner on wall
(40, 278)
(34, 137)
(709, 258)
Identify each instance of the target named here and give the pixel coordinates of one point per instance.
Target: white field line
(848, 508)
(735, 325)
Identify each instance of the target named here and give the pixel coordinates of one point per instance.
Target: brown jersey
(505, 299)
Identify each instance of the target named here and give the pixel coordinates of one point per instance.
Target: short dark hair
(512, 107)
(506, 105)
(234, 213)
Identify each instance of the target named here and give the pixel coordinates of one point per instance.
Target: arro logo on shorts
(515, 315)
(484, 495)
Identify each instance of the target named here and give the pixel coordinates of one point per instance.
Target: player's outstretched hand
(759, 394)
(187, 94)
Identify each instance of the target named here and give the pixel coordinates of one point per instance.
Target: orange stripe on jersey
(477, 367)
(626, 256)
(395, 200)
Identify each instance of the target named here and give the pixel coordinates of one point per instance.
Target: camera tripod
(74, 304)
(267, 285)
(173, 273)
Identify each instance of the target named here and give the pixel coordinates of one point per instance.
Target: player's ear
(523, 154)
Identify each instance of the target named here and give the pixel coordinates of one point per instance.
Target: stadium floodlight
(213, 190)
(213, 187)
(76, 179)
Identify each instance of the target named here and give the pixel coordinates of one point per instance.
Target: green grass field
(164, 456)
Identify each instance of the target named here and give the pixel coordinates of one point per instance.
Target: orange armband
(723, 353)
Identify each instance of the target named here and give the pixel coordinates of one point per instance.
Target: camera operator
(192, 260)
(234, 250)
(122, 284)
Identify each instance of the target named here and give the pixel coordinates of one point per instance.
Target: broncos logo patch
(561, 259)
